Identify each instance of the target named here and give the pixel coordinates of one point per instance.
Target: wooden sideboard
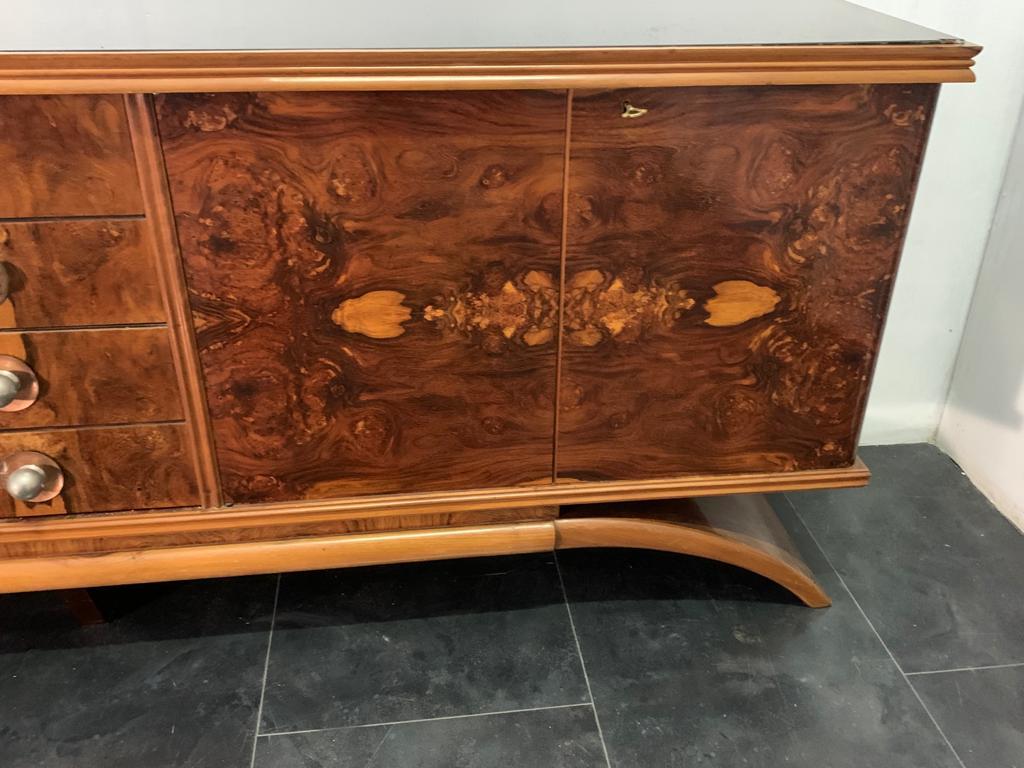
(286, 309)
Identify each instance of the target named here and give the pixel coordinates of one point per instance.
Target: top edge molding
(483, 69)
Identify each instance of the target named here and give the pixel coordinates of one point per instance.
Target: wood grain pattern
(66, 156)
(109, 376)
(292, 206)
(113, 468)
(66, 273)
(162, 237)
(519, 68)
(740, 246)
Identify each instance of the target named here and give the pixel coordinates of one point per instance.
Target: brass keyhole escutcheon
(630, 112)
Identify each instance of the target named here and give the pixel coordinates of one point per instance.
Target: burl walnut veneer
(410, 297)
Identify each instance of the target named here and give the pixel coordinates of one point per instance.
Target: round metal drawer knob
(26, 483)
(31, 476)
(10, 386)
(19, 387)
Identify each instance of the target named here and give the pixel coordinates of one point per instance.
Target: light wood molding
(183, 523)
(164, 246)
(526, 68)
(740, 530)
(175, 563)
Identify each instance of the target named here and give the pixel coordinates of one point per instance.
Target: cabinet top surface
(269, 25)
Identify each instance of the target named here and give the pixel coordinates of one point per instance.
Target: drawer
(62, 273)
(107, 469)
(66, 156)
(106, 376)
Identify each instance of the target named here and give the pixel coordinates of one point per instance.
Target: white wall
(959, 186)
(983, 424)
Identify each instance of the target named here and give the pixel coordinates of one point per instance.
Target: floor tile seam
(954, 670)
(871, 625)
(373, 755)
(414, 720)
(583, 663)
(266, 669)
(935, 722)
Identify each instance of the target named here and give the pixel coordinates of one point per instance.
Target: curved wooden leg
(740, 530)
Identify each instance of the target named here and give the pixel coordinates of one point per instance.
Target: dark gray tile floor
(417, 641)
(601, 658)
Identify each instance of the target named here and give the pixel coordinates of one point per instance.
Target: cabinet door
(374, 282)
(731, 256)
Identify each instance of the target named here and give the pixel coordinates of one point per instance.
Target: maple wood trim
(481, 69)
(749, 554)
(162, 233)
(742, 531)
(225, 520)
(218, 560)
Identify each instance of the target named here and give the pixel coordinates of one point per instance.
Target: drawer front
(108, 469)
(730, 259)
(63, 273)
(374, 280)
(66, 156)
(109, 376)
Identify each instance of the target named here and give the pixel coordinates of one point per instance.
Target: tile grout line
(583, 664)
(266, 668)
(392, 723)
(864, 615)
(980, 668)
(373, 756)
